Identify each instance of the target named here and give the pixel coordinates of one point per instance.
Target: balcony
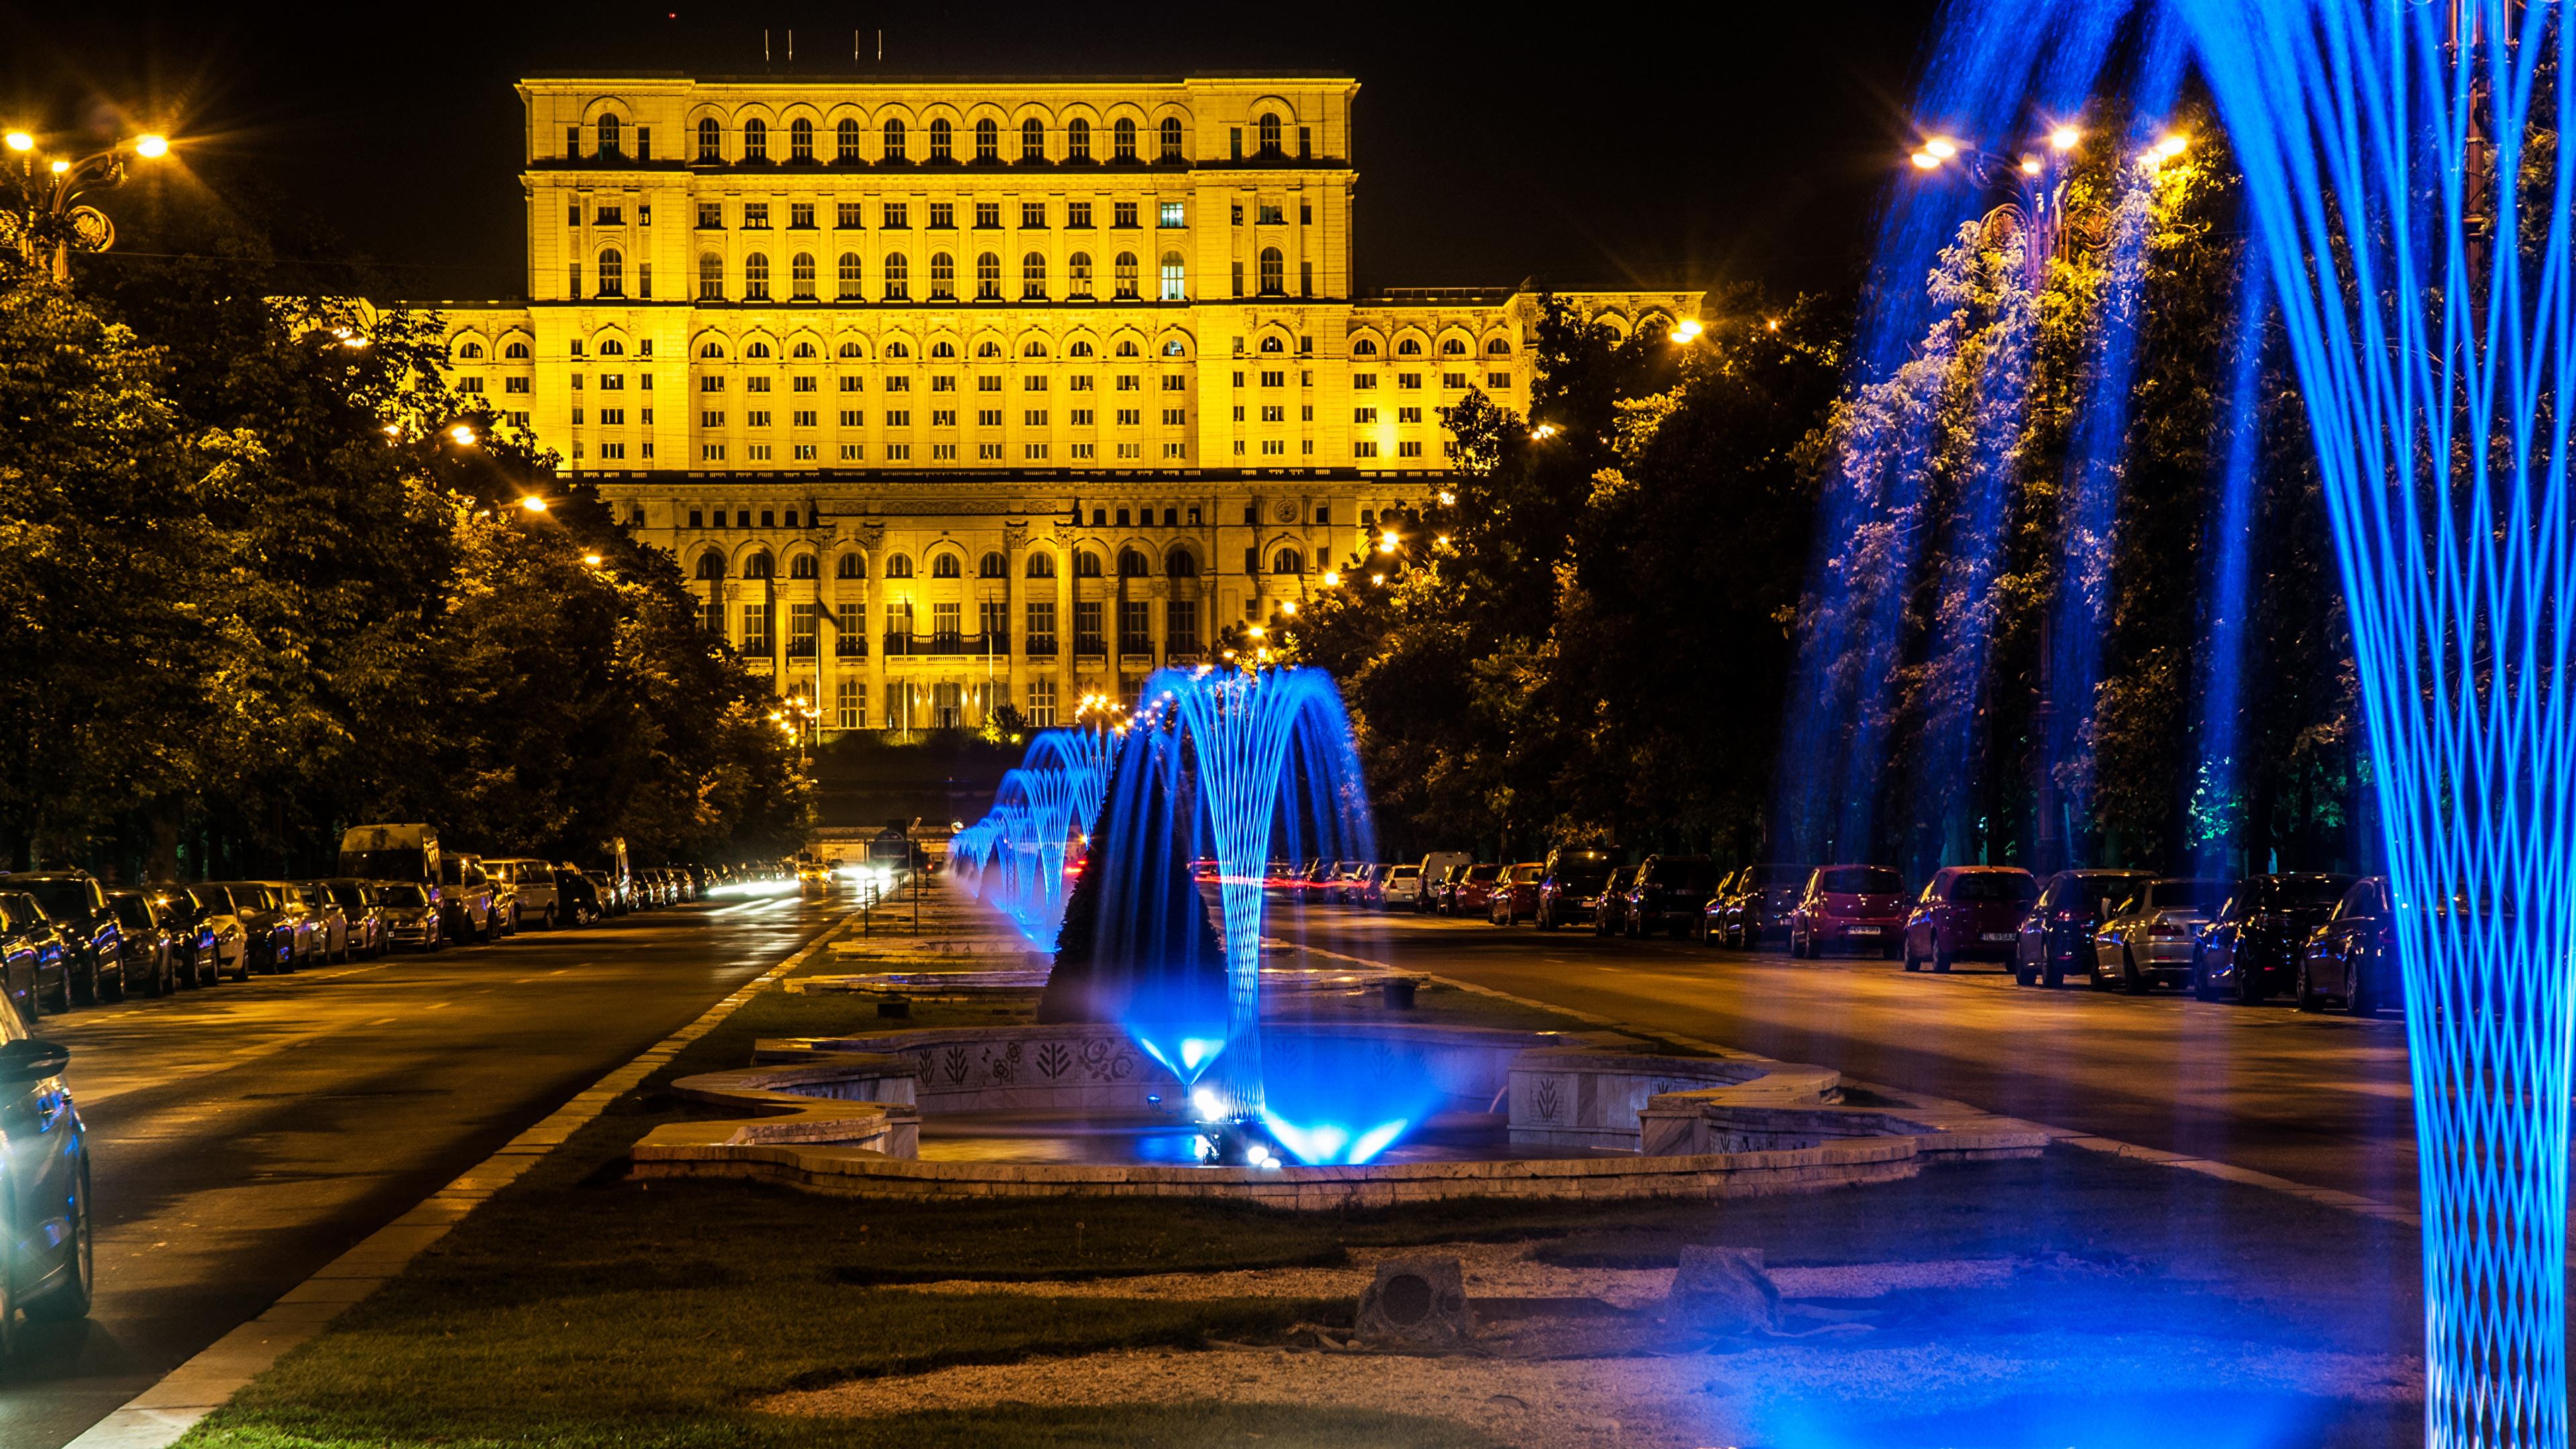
(801, 648)
(851, 646)
(1041, 646)
(939, 645)
(1090, 646)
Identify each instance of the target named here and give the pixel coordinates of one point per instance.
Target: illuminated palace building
(951, 394)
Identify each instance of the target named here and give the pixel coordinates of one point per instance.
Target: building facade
(950, 394)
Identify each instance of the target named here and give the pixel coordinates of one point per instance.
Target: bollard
(1399, 992)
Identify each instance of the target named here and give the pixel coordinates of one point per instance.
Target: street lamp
(46, 220)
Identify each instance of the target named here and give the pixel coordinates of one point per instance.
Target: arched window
(892, 131)
(1174, 280)
(898, 278)
(710, 140)
(988, 140)
(854, 351)
(897, 349)
(1274, 274)
(1123, 275)
(515, 349)
(993, 566)
(943, 349)
(1077, 139)
(1497, 347)
(1086, 564)
(850, 278)
(1453, 346)
(755, 140)
(1041, 565)
(711, 349)
(803, 349)
(943, 275)
(611, 347)
(1032, 140)
(1122, 139)
(1033, 348)
(1132, 565)
(1033, 277)
(850, 566)
(1270, 135)
(1077, 274)
(711, 565)
(612, 135)
(470, 349)
(757, 349)
(710, 277)
(1288, 561)
(1175, 347)
(988, 277)
(1408, 348)
(1364, 348)
(939, 138)
(988, 348)
(845, 137)
(800, 276)
(612, 272)
(1171, 138)
(800, 139)
(1079, 348)
(755, 277)
(1182, 564)
(1127, 347)
(1274, 343)
(944, 566)
(898, 566)
(760, 566)
(801, 566)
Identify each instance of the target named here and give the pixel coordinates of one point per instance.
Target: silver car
(2148, 939)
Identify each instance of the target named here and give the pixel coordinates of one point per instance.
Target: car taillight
(2164, 928)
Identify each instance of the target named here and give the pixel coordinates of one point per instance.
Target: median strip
(162, 1413)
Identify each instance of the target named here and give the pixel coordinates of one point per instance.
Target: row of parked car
(67, 939)
(2327, 940)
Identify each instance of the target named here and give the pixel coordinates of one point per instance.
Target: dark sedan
(1856, 907)
(2250, 949)
(274, 925)
(1610, 908)
(1668, 894)
(1571, 886)
(2071, 906)
(2351, 960)
(77, 905)
(1755, 905)
(47, 1262)
(1968, 913)
(35, 962)
(160, 949)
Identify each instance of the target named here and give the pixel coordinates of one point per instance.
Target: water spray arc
(1015, 857)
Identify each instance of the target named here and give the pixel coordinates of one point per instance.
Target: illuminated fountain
(1015, 857)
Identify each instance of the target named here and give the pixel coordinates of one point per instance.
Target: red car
(1853, 907)
(1472, 892)
(1968, 913)
(1516, 894)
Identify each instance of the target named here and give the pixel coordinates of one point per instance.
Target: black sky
(1611, 147)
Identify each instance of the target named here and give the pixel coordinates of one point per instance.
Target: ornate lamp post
(45, 220)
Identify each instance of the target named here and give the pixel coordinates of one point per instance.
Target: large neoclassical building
(956, 393)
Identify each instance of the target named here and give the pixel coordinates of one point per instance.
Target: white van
(531, 883)
(1435, 869)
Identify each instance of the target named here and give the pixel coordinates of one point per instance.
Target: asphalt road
(2320, 1100)
(243, 1136)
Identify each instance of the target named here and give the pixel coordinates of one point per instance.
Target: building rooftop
(880, 78)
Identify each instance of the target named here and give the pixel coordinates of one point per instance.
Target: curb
(2067, 1136)
(162, 1413)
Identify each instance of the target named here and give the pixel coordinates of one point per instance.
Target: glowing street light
(1332, 578)
(21, 141)
(591, 559)
(2064, 138)
(1924, 160)
(2173, 145)
(1288, 606)
(462, 434)
(1940, 148)
(155, 146)
(56, 221)
(1542, 432)
(1386, 542)
(533, 503)
(1687, 330)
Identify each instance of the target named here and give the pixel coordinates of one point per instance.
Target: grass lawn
(579, 1309)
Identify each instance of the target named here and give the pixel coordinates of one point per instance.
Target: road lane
(2322, 1100)
(245, 1135)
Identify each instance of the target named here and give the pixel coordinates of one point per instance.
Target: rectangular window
(1035, 382)
(1408, 415)
(943, 384)
(1086, 628)
(1176, 450)
(514, 384)
(988, 417)
(1077, 214)
(1078, 384)
(944, 626)
(1408, 450)
(849, 216)
(1131, 450)
(572, 280)
(1171, 214)
(894, 216)
(850, 630)
(756, 452)
(1363, 381)
(988, 452)
(854, 384)
(711, 616)
(1130, 383)
(898, 452)
(1041, 616)
(1274, 413)
(853, 418)
(1084, 450)
(1041, 710)
(899, 418)
(854, 452)
(992, 383)
(1363, 450)
(1078, 417)
(1408, 379)
(755, 384)
(1176, 417)
(1032, 215)
(756, 417)
(802, 418)
(1130, 417)
(993, 621)
(988, 214)
(1273, 447)
(1122, 213)
(1498, 380)
(755, 216)
(1135, 626)
(1034, 453)
(755, 628)
(943, 215)
(1271, 215)
(1180, 626)
(1274, 377)
(851, 698)
(472, 384)
(1453, 380)
(612, 417)
(710, 216)
(1033, 418)
(804, 624)
(1175, 382)
(800, 215)
(801, 384)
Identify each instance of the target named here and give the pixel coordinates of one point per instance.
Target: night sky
(1661, 147)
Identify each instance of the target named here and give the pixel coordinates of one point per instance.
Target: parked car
(1968, 913)
(413, 916)
(1372, 891)
(1402, 889)
(1570, 885)
(1756, 904)
(2351, 959)
(466, 900)
(327, 923)
(1516, 894)
(1471, 890)
(77, 905)
(358, 902)
(1610, 907)
(1667, 895)
(1855, 907)
(1436, 870)
(155, 942)
(533, 893)
(223, 940)
(35, 961)
(2051, 942)
(2148, 939)
(281, 935)
(576, 897)
(2251, 949)
(613, 901)
(47, 1262)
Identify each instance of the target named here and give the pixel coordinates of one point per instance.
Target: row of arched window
(938, 141)
(940, 282)
(1180, 563)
